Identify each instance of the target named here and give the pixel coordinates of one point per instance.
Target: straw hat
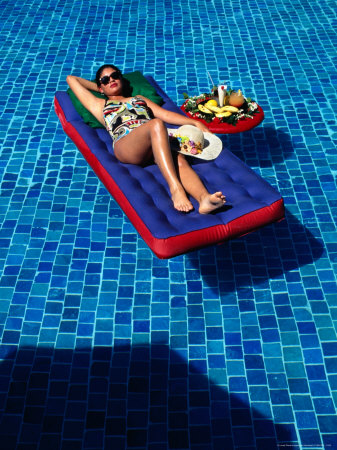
(190, 140)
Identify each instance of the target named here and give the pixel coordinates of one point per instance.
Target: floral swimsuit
(121, 118)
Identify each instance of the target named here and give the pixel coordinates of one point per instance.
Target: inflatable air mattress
(143, 195)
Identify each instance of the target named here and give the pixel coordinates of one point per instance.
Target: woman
(137, 140)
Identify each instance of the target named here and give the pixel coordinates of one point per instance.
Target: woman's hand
(201, 126)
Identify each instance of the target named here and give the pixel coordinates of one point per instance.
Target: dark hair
(126, 87)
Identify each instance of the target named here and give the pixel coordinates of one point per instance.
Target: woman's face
(113, 86)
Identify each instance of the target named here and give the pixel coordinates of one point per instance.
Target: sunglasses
(113, 75)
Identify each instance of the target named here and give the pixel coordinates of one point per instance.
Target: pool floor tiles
(104, 346)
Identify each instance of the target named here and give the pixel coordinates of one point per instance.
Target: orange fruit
(212, 102)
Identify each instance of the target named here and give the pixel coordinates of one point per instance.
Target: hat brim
(211, 150)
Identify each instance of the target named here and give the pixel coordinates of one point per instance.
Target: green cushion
(140, 86)
(83, 112)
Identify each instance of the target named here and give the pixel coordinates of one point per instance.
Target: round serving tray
(218, 127)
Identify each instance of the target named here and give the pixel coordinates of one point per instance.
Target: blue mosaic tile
(102, 344)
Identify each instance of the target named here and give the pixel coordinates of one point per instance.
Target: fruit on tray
(211, 102)
(206, 107)
(205, 110)
(229, 108)
(223, 114)
(215, 109)
(226, 108)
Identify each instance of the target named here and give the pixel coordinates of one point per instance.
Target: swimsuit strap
(130, 102)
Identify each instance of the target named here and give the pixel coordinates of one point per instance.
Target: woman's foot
(211, 202)
(180, 200)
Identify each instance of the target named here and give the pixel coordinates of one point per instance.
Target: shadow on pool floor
(128, 397)
(264, 145)
(275, 251)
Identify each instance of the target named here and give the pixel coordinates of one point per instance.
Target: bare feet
(180, 200)
(211, 202)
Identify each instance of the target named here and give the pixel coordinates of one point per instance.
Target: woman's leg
(137, 148)
(151, 138)
(194, 186)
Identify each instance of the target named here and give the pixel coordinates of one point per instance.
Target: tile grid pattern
(102, 344)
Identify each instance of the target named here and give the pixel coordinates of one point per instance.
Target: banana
(215, 109)
(225, 111)
(223, 114)
(203, 109)
(229, 108)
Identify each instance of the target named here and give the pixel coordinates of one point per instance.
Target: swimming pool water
(102, 344)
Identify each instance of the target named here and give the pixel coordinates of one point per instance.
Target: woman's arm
(81, 88)
(173, 117)
(83, 82)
